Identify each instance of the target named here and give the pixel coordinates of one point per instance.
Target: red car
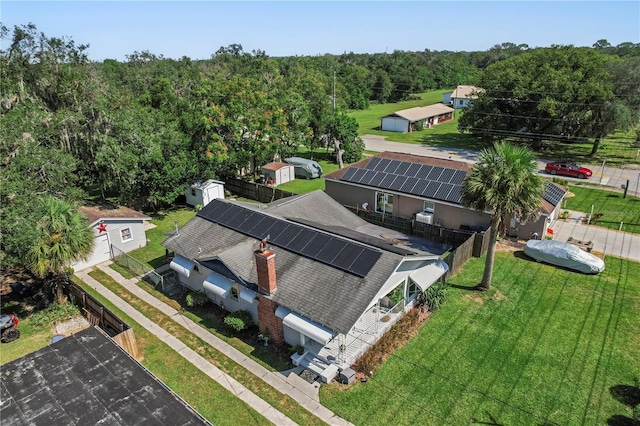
(568, 169)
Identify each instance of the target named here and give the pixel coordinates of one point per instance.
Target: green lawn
(31, 339)
(281, 402)
(153, 254)
(614, 208)
(554, 343)
(206, 395)
(616, 149)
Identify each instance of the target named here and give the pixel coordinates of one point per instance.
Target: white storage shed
(201, 193)
(276, 173)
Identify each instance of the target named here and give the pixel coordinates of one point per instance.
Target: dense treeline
(138, 131)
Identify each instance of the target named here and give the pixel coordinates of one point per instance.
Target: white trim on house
(182, 265)
(427, 275)
(307, 327)
(217, 284)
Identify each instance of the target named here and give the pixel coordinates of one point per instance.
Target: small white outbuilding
(201, 193)
(277, 173)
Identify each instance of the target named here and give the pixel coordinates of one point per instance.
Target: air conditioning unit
(424, 217)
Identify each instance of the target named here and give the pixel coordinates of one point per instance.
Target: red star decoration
(102, 228)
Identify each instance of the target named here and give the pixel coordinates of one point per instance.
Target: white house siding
(446, 98)
(113, 236)
(395, 124)
(461, 103)
(195, 282)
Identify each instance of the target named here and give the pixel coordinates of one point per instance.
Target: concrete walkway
(288, 383)
(605, 240)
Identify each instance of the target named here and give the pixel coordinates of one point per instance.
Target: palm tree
(63, 237)
(504, 182)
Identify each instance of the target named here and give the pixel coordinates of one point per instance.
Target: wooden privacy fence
(453, 237)
(101, 317)
(255, 191)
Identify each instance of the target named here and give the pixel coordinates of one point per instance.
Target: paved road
(612, 177)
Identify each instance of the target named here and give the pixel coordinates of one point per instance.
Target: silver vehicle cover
(565, 255)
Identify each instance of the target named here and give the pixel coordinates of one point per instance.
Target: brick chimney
(266, 268)
(268, 322)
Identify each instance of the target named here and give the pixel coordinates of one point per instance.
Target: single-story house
(87, 379)
(406, 119)
(201, 193)
(427, 189)
(276, 173)
(462, 96)
(113, 226)
(309, 271)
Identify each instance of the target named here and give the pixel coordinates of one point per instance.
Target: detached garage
(116, 226)
(408, 120)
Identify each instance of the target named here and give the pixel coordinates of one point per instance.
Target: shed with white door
(276, 173)
(201, 193)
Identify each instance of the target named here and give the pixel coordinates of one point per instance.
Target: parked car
(568, 169)
(565, 255)
(303, 168)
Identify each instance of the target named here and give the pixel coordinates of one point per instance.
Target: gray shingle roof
(325, 294)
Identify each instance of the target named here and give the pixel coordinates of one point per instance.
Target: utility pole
(334, 92)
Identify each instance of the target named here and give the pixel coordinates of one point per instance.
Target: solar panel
(368, 176)
(424, 171)
(348, 175)
(421, 185)
(358, 175)
(287, 236)
(347, 256)
(443, 191)
(393, 165)
(409, 184)
(239, 219)
(431, 189)
(455, 195)
(317, 243)
(458, 177)
(413, 169)
(301, 240)
(446, 175)
(384, 162)
(363, 264)
(402, 168)
(263, 229)
(340, 253)
(332, 250)
(377, 179)
(398, 182)
(387, 181)
(373, 162)
(553, 194)
(435, 173)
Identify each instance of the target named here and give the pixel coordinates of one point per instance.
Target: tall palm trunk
(491, 252)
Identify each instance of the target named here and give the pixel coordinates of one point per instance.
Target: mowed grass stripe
(278, 400)
(207, 396)
(549, 341)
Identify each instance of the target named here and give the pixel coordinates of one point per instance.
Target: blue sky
(197, 29)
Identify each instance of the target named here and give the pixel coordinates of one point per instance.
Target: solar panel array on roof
(436, 182)
(553, 194)
(326, 248)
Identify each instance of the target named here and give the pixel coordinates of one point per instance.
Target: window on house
(413, 290)
(125, 235)
(384, 203)
(429, 207)
(193, 192)
(235, 290)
